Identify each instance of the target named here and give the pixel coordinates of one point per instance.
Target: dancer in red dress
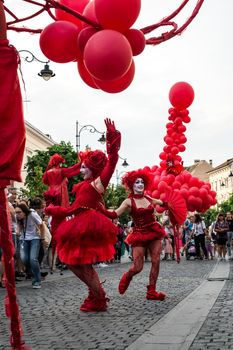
(57, 194)
(89, 236)
(146, 233)
(56, 178)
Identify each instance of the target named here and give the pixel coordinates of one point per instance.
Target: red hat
(130, 177)
(95, 161)
(55, 160)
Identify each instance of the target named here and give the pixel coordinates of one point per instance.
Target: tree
(113, 197)
(36, 166)
(211, 214)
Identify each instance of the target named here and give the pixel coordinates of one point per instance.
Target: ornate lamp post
(45, 73)
(91, 129)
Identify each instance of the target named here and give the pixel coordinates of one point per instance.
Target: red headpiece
(55, 160)
(129, 178)
(94, 160)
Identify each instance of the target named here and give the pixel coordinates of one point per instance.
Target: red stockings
(96, 300)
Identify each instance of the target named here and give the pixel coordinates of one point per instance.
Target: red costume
(145, 228)
(147, 233)
(56, 178)
(88, 236)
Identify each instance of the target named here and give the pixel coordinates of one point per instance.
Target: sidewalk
(179, 327)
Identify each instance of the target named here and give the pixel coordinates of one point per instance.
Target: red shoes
(124, 283)
(92, 303)
(153, 295)
(88, 299)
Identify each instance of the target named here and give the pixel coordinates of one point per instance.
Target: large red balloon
(107, 55)
(117, 85)
(137, 40)
(181, 95)
(58, 42)
(76, 5)
(117, 14)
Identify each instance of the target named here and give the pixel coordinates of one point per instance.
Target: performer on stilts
(89, 236)
(147, 233)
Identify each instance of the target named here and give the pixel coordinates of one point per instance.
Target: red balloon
(184, 192)
(181, 95)
(163, 156)
(119, 15)
(194, 191)
(89, 12)
(182, 148)
(107, 55)
(137, 40)
(77, 6)
(168, 140)
(162, 186)
(175, 150)
(155, 194)
(58, 42)
(117, 85)
(176, 185)
(181, 128)
(85, 34)
(86, 77)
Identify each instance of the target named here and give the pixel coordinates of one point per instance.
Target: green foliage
(113, 198)
(211, 214)
(36, 166)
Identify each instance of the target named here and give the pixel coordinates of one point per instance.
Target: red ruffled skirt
(143, 236)
(87, 238)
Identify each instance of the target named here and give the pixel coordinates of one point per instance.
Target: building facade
(35, 140)
(221, 180)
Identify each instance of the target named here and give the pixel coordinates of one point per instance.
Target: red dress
(56, 179)
(146, 228)
(89, 236)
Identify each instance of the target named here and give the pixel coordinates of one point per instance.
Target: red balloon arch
(108, 22)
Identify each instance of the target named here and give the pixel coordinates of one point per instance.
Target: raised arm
(113, 137)
(72, 170)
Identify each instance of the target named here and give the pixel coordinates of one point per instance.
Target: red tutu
(143, 236)
(87, 238)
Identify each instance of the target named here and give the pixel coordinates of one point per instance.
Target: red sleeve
(71, 171)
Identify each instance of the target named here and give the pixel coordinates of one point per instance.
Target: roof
(223, 165)
(200, 169)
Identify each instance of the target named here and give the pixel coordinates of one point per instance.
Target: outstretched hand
(110, 125)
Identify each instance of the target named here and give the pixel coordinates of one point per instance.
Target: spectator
(221, 228)
(31, 230)
(229, 219)
(198, 231)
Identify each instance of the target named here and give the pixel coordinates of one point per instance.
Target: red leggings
(88, 275)
(138, 260)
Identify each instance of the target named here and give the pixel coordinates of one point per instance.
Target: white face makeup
(85, 171)
(138, 186)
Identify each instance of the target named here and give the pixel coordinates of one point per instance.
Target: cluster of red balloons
(197, 193)
(181, 96)
(104, 53)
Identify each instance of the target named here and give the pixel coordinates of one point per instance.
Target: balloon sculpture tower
(170, 176)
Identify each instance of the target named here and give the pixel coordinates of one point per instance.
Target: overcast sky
(201, 56)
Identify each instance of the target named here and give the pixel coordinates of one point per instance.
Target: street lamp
(125, 163)
(45, 73)
(91, 129)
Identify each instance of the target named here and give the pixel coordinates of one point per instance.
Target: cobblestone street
(52, 319)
